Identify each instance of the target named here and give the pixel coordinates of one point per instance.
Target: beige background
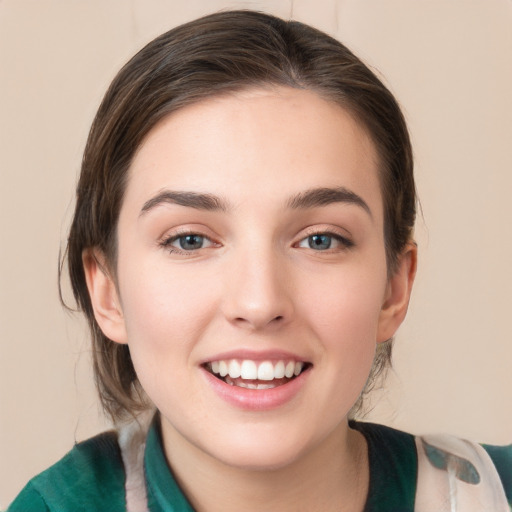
(450, 64)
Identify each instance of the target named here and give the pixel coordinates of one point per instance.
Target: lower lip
(257, 399)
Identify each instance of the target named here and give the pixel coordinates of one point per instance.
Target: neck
(334, 476)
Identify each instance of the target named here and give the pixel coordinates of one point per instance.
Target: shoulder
(393, 467)
(90, 477)
(390, 445)
(502, 458)
(393, 457)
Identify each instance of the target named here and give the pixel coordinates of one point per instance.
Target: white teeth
(223, 368)
(266, 371)
(249, 370)
(253, 370)
(288, 371)
(252, 385)
(234, 369)
(279, 370)
(265, 386)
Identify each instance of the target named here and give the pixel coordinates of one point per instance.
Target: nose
(258, 292)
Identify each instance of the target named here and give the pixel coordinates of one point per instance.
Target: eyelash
(167, 242)
(345, 242)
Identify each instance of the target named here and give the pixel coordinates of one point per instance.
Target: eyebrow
(325, 196)
(195, 200)
(311, 198)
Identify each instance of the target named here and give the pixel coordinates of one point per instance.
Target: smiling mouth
(251, 374)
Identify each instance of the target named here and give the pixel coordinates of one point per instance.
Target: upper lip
(254, 355)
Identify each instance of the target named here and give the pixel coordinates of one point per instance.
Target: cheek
(165, 318)
(165, 314)
(347, 305)
(345, 318)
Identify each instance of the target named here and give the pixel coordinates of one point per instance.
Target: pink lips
(271, 355)
(256, 399)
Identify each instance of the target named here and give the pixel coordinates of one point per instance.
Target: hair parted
(217, 54)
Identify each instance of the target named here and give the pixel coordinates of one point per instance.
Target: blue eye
(319, 242)
(325, 241)
(190, 242)
(187, 242)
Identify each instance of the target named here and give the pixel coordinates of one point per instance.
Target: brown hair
(220, 53)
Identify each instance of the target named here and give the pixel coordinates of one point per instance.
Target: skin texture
(257, 286)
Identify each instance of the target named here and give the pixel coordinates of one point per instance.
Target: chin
(260, 459)
(257, 448)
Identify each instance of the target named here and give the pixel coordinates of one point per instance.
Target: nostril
(260, 321)
(241, 319)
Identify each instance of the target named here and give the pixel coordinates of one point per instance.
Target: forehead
(266, 142)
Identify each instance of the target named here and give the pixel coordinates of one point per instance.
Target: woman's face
(250, 240)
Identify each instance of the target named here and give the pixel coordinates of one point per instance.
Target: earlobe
(398, 294)
(104, 296)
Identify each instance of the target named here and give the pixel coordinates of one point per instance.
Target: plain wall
(450, 65)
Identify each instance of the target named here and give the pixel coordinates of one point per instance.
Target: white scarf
(455, 475)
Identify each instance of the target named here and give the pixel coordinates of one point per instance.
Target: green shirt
(91, 476)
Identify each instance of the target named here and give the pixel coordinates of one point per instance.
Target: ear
(104, 296)
(398, 293)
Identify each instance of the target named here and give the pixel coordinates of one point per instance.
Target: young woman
(242, 247)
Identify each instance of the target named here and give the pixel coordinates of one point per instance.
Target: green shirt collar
(393, 471)
(164, 495)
